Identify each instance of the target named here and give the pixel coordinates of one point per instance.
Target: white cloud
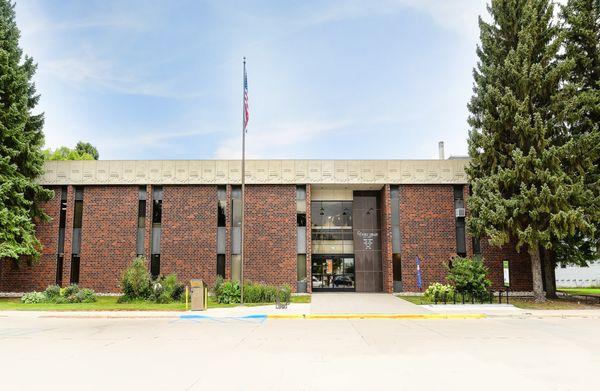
(278, 139)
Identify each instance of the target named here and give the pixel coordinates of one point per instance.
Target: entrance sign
(506, 273)
(368, 239)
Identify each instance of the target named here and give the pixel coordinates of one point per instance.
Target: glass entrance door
(333, 273)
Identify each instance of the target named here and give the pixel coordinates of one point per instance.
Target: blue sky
(327, 79)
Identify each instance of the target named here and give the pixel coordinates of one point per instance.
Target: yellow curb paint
(377, 316)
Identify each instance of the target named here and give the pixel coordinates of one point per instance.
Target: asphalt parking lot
(275, 354)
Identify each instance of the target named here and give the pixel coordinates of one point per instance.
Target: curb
(378, 316)
(276, 316)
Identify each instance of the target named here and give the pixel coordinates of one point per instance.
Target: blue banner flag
(419, 281)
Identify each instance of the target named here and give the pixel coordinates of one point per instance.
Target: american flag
(246, 110)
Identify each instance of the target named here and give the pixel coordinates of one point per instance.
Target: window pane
(221, 265)
(235, 267)
(156, 211)
(315, 214)
(155, 265)
(236, 213)
(301, 245)
(156, 240)
(396, 239)
(76, 246)
(77, 216)
(236, 240)
(301, 267)
(301, 206)
(221, 214)
(301, 220)
(142, 193)
(221, 193)
(221, 240)
(300, 193)
(140, 241)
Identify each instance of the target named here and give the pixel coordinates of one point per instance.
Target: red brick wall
(427, 230)
(519, 266)
(23, 276)
(108, 236)
(270, 229)
(189, 233)
(386, 239)
(189, 237)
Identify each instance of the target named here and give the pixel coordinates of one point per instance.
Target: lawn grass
(109, 303)
(524, 303)
(581, 291)
(554, 304)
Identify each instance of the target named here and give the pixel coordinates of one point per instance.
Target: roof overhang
(176, 172)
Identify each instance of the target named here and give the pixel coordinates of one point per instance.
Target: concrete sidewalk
(362, 303)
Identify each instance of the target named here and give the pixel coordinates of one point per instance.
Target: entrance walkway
(362, 303)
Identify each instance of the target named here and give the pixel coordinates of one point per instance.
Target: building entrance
(333, 273)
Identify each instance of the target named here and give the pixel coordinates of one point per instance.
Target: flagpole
(243, 187)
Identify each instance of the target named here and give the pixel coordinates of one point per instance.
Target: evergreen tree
(88, 148)
(579, 112)
(21, 139)
(520, 190)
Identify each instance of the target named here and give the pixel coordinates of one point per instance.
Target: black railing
(470, 297)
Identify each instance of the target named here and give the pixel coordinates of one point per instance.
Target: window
(236, 219)
(301, 267)
(61, 235)
(76, 243)
(301, 219)
(221, 229)
(155, 265)
(221, 204)
(141, 226)
(459, 203)
(221, 265)
(157, 199)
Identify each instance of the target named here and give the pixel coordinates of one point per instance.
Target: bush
(167, 289)
(52, 292)
(34, 297)
(438, 290)
(85, 295)
(136, 281)
(228, 292)
(57, 295)
(469, 276)
(285, 293)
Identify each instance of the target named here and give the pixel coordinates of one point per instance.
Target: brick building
(342, 225)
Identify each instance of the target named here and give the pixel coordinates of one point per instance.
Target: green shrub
(52, 292)
(86, 295)
(70, 290)
(469, 276)
(166, 289)
(228, 292)
(55, 294)
(172, 288)
(34, 297)
(440, 290)
(285, 293)
(136, 281)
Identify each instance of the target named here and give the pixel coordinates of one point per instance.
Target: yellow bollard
(186, 297)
